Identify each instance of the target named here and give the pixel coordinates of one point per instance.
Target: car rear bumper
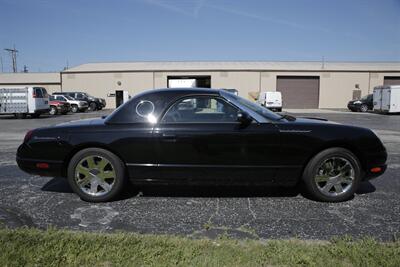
(31, 166)
(35, 166)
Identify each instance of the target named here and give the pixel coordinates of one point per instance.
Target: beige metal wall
(101, 84)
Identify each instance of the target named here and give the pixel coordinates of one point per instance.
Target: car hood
(84, 122)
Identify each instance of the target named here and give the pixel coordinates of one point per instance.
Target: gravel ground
(239, 212)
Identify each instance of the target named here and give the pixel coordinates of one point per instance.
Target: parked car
(203, 136)
(94, 103)
(361, 105)
(23, 101)
(76, 105)
(58, 107)
(271, 100)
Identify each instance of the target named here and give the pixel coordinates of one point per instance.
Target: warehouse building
(303, 84)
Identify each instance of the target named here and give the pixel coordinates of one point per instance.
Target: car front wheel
(92, 106)
(333, 175)
(96, 175)
(364, 108)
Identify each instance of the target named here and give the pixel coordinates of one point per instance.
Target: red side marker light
(376, 169)
(42, 165)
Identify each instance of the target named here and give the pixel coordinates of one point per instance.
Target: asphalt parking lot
(239, 212)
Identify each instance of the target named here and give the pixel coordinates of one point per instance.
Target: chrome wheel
(364, 108)
(95, 175)
(335, 176)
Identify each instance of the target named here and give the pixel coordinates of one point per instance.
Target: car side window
(201, 109)
(60, 98)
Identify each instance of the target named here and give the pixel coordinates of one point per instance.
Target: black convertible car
(203, 136)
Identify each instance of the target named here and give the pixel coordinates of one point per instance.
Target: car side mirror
(243, 118)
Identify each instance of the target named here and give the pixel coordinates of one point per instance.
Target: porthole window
(144, 108)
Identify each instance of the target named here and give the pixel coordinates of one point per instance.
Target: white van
(387, 99)
(271, 100)
(23, 101)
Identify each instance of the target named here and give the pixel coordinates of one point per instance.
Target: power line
(13, 53)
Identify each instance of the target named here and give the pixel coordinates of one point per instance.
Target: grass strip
(33, 247)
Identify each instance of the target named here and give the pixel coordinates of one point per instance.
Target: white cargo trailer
(23, 101)
(387, 99)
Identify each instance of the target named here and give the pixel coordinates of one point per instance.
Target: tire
(53, 110)
(363, 108)
(35, 115)
(113, 168)
(64, 113)
(20, 115)
(74, 109)
(327, 190)
(279, 110)
(92, 106)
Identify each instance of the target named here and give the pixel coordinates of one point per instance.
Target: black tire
(117, 165)
(74, 108)
(35, 115)
(279, 110)
(93, 106)
(20, 115)
(53, 110)
(312, 167)
(363, 108)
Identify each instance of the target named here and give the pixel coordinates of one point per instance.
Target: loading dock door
(298, 91)
(391, 80)
(189, 81)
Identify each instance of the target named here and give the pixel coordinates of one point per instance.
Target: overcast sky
(50, 33)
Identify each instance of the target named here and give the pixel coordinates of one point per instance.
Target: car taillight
(28, 136)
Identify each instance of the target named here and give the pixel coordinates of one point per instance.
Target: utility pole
(13, 52)
(1, 63)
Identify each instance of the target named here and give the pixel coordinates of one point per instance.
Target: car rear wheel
(364, 108)
(333, 175)
(53, 110)
(74, 108)
(96, 175)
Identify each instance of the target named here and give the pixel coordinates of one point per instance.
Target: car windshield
(364, 97)
(252, 105)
